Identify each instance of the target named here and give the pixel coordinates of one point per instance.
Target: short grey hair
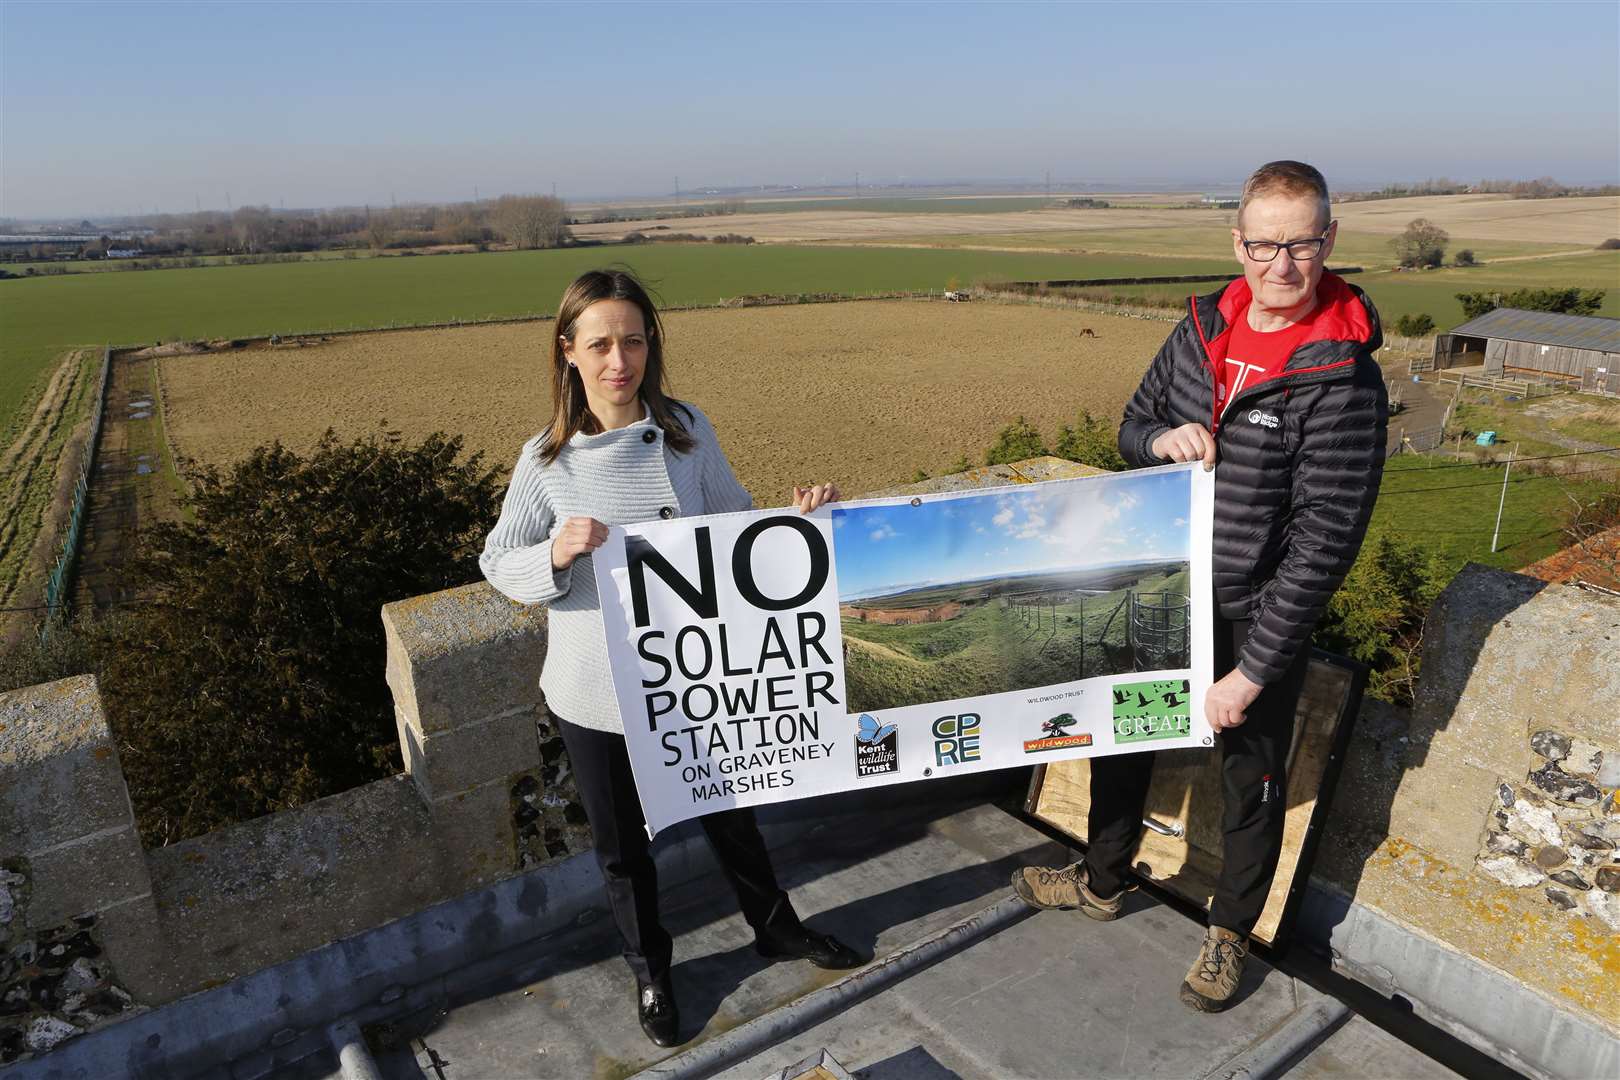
(1291, 178)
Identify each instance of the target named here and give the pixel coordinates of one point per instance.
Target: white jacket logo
(1264, 419)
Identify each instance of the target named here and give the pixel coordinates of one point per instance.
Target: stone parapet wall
(76, 904)
(1486, 817)
(92, 927)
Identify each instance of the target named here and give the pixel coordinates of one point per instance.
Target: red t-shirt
(1252, 357)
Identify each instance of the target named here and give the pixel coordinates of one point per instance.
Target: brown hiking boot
(1214, 976)
(1065, 890)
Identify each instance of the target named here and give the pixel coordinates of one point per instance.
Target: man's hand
(1189, 442)
(1229, 699)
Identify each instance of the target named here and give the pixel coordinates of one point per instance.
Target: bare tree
(1422, 244)
(531, 221)
(254, 228)
(379, 228)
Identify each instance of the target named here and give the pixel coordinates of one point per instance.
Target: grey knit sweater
(618, 477)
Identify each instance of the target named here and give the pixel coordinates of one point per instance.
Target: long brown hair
(570, 412)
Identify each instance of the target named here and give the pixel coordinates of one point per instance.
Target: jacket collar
(1344, 326)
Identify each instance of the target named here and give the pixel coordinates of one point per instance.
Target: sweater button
(667, 512)
(649, 437)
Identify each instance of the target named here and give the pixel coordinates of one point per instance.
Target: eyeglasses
(1298, 250)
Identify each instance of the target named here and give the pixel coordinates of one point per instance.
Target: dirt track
(863, 393)
(23, 518)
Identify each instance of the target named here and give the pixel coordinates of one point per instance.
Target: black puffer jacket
(1299, 460)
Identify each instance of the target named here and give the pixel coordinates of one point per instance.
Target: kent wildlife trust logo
(877, 747)
(1148, 711)
(1057, 735)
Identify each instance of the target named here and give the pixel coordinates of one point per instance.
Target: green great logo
(1145, 711)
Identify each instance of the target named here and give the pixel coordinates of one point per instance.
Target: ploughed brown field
(861, 393)
(1576, 222)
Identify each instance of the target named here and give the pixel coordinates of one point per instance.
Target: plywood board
(1186, 797)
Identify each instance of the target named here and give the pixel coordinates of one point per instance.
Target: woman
(619, 450)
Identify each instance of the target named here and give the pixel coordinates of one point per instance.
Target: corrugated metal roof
(1545, 328)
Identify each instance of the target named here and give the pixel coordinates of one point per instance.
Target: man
(1273, 377)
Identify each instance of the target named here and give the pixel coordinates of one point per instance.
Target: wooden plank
(1186, 793)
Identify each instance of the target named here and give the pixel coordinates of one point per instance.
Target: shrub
(72, 648)
(1465, 257)
(1091, 442)
(1611, 244)
(1017, 441)
(253, 682)
(1414, 325)
(1377, 617)
(960, 465)
(1568, 301)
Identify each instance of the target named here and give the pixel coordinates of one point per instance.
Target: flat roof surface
(1544, 328)
(1055, 995)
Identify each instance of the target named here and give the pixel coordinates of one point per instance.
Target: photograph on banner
(769, 656)
(1014, 590)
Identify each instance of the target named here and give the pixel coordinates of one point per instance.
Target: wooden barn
(1577, 350)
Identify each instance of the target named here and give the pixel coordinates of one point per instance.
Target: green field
(1208, 242)
(40, 317)
(1433, 292)
(1450, 507)
(988, 648)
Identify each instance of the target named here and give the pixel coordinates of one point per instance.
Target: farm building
(1575, 349)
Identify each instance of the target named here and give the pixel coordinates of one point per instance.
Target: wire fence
(1421, 440)
(60, 580)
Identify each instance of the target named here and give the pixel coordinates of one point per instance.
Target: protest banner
(769, 655)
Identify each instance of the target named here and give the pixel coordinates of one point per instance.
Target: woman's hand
(809, 498)
(575, 537)
(1189, 442)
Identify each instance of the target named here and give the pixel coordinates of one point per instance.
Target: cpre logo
(956, 739)
(1264, 419)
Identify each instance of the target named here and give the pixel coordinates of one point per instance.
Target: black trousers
(607, 788)
(1254, 783)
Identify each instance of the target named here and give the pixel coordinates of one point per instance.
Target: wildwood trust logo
(1146, 711)
(1057, 735)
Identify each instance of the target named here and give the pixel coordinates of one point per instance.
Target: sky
(879, 549)
(126, 107)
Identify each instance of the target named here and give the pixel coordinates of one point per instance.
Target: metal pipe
(1278, 1052)
(759, 1034)
(1175, 828)
(354, 1057)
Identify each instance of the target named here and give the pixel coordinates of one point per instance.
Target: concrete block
(59, 773)
(86, 876)
(136, 949)
(261, 891)
(474, 841)
(466, 757)
(1504, 653)
(462, 655)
